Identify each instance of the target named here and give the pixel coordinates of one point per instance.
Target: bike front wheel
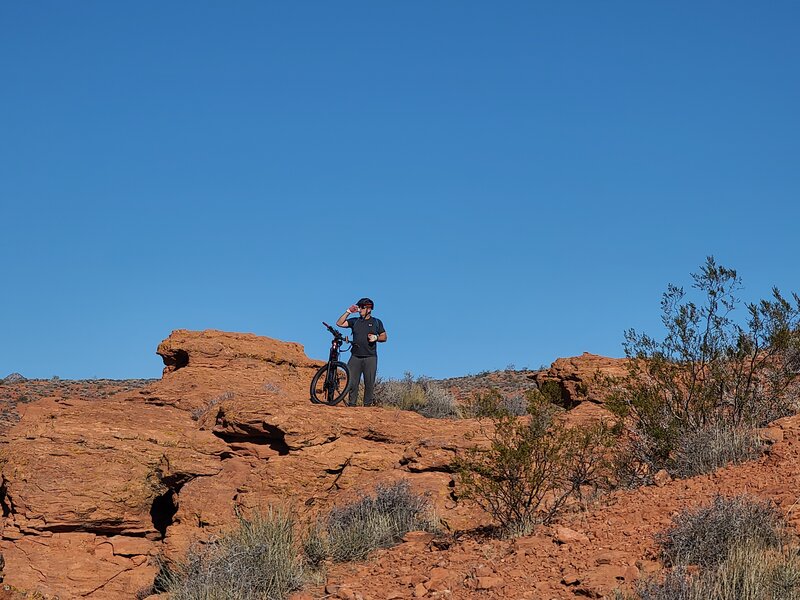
(330, 383)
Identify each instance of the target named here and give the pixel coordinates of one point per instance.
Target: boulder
(581, 378)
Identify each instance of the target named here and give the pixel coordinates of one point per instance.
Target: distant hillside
(508, 382)
(16, 390)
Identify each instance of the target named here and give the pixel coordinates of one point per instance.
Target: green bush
(552, 392)
(420, 395)
(258, 560)
(713, 368)
(351, 532)
(532, 466)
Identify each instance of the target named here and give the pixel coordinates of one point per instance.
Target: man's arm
(342, 321)
(382, 334)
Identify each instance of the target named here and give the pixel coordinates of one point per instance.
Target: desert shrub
(532, 466)
(751, 573)
(439, 403)
(420, 395)
(716, 445)
(482, 404)
(739, 545)
(258, 560)
(516, 405)
(676, 584)
(551, 391)
(748, 572)
(491, 402)
(315, 546)
(381, 520)
(705, 536)
(713, 366)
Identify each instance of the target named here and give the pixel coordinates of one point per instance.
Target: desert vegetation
(421, 395)
(257, 560)
(693, 400)
(264, 557)
(691, 403)
(532, 465)
(434, 400)
(734, 548)
(352, 531)
(490, 403)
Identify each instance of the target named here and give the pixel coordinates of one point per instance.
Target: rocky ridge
(93, 488)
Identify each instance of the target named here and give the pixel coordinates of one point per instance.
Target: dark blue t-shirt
(361, 329)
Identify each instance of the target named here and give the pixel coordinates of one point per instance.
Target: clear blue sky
(510, 182)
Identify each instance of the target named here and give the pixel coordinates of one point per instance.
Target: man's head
(365, 306)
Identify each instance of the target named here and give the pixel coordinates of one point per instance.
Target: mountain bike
(330, 382)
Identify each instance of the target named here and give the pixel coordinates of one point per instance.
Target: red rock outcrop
(580, 378)
(93, 489)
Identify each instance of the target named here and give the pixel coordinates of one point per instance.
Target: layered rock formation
(582, 378)
(93, 489)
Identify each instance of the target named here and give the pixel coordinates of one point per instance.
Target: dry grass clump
(351, 532)
(704, 536)
(712, 447)
(749, 572)
(263, 559)
(421, 395)
(256, 561)
(739, 543)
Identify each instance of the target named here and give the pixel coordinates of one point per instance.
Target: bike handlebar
(337, 334)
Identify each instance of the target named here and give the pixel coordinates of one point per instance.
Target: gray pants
(367, 366)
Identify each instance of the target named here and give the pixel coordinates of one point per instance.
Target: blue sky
(510, 182)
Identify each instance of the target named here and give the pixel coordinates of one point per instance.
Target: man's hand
(353, 309)
(372, 338)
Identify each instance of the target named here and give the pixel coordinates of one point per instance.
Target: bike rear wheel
(329, 384)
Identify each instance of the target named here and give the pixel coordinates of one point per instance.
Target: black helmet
(365, 302)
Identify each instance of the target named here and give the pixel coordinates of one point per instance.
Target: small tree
(532, 466)
(711, 368)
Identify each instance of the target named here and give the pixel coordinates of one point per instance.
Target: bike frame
(333, 358)
(334, 354)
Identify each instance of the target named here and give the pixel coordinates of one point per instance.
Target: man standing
(367, 332)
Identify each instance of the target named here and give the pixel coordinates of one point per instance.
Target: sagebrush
(705, 535)
(741, 547)
(421, 395)
(380, 520)
(491, 402)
